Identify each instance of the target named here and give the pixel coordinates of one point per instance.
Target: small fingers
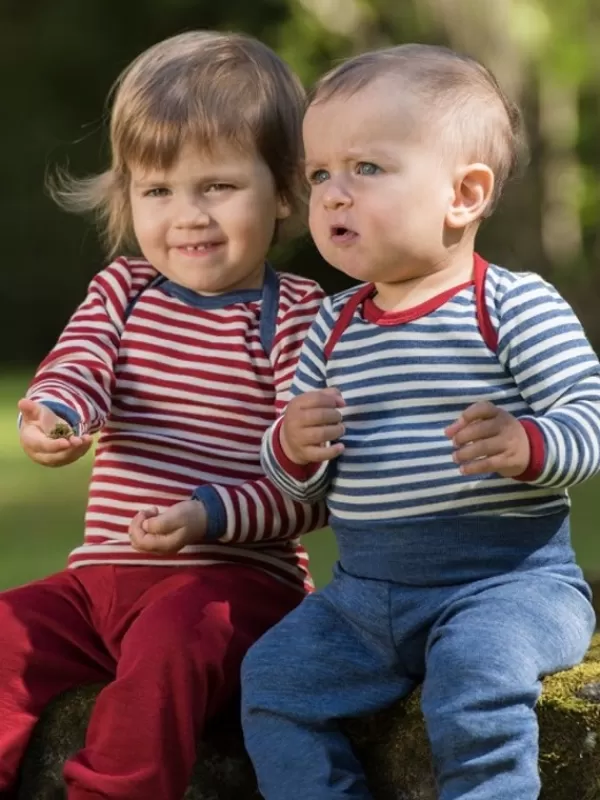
(313, 417)
(138, 535)
(477, 411)
(29, 409)
(323, 452)
(477, 467)
(136, 532)
(323, 398)
(501, 464)
(476, 431)
(59, 454)
(481, 410)
(160, 525)
(335, 393)
(483, 448)
(316, 436)
(41, 445)
(456, 426)
(151, 543)
(85, 440)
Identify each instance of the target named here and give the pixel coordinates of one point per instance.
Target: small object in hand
(61, 431)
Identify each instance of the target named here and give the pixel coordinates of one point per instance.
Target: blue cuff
(215, 512)
(62, 411)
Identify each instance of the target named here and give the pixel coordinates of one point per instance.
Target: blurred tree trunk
(491, 32)
(561, 172)
(510, 38)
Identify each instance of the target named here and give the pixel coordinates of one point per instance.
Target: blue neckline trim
(269, 293)
(192, 298)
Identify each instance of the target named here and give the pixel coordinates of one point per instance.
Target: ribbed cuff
(216, 517)
(71, 417)
(537, 451)
(301, 472)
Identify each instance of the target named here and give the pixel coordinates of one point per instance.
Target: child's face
(380, 185)
(207, 222)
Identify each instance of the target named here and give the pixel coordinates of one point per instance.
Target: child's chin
(359, 271)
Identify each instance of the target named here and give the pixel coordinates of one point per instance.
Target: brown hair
(473, 113)
(203, 86)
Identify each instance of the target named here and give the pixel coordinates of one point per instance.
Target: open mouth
(342, 235)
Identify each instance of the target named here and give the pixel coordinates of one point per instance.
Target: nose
(190, 213)
(336, 196)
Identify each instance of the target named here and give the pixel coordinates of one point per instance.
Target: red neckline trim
(488, 332)
(372, 312)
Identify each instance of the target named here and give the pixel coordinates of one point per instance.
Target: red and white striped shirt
(182, 388)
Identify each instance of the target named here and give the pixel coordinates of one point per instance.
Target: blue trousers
(479, 648)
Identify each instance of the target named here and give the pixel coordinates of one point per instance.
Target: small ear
(473, 189)
(283, 209)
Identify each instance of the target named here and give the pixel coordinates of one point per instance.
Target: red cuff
(537, 455)
(301, 472)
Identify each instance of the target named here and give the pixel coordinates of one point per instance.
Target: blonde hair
(201, 86)
(473, 114)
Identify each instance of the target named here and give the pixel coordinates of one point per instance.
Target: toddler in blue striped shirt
(443, 408)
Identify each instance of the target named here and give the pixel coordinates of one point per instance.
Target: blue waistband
(434, 551)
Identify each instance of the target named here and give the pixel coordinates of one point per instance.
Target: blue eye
(318, 176)
(367, 168)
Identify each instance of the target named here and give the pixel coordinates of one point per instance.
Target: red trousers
(167, 641)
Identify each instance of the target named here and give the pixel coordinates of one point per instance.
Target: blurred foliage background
(57, 63)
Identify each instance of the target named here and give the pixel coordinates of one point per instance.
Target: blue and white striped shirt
(508, 338)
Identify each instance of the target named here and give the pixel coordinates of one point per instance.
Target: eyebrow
(210, 177)
(144, 182)
(309, 166)
(355, 154)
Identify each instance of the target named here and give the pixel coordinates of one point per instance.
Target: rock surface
(392, 745)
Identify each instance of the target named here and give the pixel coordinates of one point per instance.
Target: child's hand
(38, 424)
(310, 421)
(489, 439)
(182, 524)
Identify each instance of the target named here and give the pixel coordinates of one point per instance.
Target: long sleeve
(543, 346)
(305, 484)
(258, 510)
(76, 378)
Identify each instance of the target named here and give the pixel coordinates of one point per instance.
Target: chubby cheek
(249, 234)
(145, 235)
(318, 225)
(148, 229)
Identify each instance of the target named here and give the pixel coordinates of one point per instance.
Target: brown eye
(219, 187)
(157, 191)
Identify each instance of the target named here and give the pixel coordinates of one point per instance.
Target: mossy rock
(223, 770)
(392, 745)
(394, 749)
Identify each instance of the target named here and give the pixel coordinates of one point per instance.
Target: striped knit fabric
(506, 338)
(182, 390)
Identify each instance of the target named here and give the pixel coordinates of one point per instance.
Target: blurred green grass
(41, 509)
